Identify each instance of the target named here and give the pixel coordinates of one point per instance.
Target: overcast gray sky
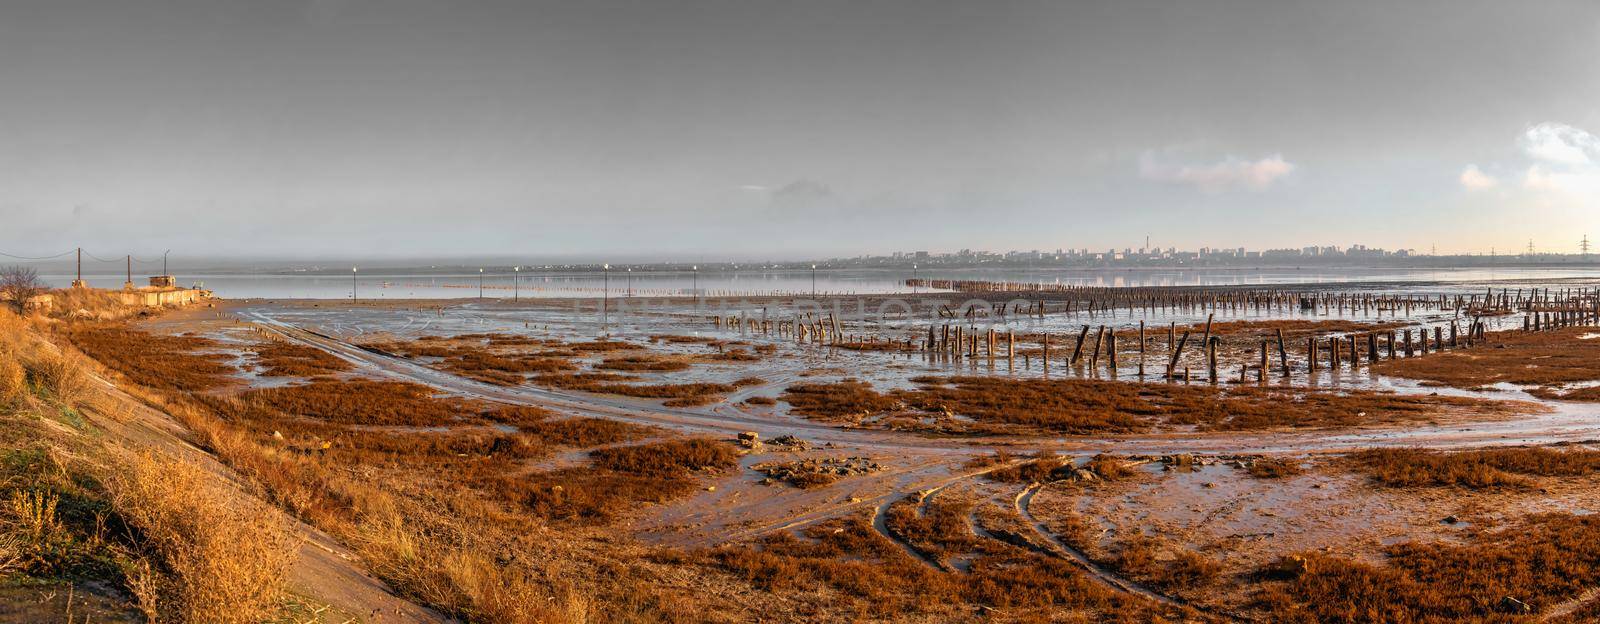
(740, 128)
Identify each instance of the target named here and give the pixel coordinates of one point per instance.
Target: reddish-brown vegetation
(849, 401)
(677, 395)
(637, 363)
(617, 480)
(153, 360)
(1544, 361)
(1538, 562)
(1042, 468)
(1164, 566)
(846, 558)
(1483, 468)
(1084, 406)
(287, 359)
(362, 402)
(1274, 468)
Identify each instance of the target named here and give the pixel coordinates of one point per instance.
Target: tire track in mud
(880, 523)
(1023, 503)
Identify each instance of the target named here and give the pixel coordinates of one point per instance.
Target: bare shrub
(222, 558)
(18, 284)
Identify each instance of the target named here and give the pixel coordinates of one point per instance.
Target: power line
(64, 253)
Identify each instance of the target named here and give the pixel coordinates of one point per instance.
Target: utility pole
(352, 284)
(78, 283)
(694, 283)
(813, 281)
(605, 296)
(516, 283)
(1583, 245)
(129, 284)
(1530, 248)
(480, 284)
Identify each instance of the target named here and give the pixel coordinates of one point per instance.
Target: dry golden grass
(13, 382)
(1540, 561)
(183, 544)
(221, 558)
(1485, 468)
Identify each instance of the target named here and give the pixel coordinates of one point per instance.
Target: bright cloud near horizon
(702, 129)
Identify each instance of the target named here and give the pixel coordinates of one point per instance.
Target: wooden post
(1211, 357)
(1094, 356)
(1141, 349)
(1311, 354)
(1177, 351)
(1111, 352)
(1261, 373)
(1283, 354)
(1077, 350)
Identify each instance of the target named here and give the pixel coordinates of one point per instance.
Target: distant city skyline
(763, 129)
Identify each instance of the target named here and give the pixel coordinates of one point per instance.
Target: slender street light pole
(605, 296)
(480, 284)
(164, 262)
(694, 283)
(913, 278)
(630, 282)
(516, 283)
(352, 284)
(813, 281)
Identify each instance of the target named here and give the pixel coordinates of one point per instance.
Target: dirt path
(325, 573)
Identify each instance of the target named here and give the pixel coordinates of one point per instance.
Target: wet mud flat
(1174, 521)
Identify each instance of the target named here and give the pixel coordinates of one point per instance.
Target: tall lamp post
(630, 282)
(913, 278)
(694, 283)
(813, 281)
(352, 284)
(605, 294)
(480, 284)
(516, 283)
